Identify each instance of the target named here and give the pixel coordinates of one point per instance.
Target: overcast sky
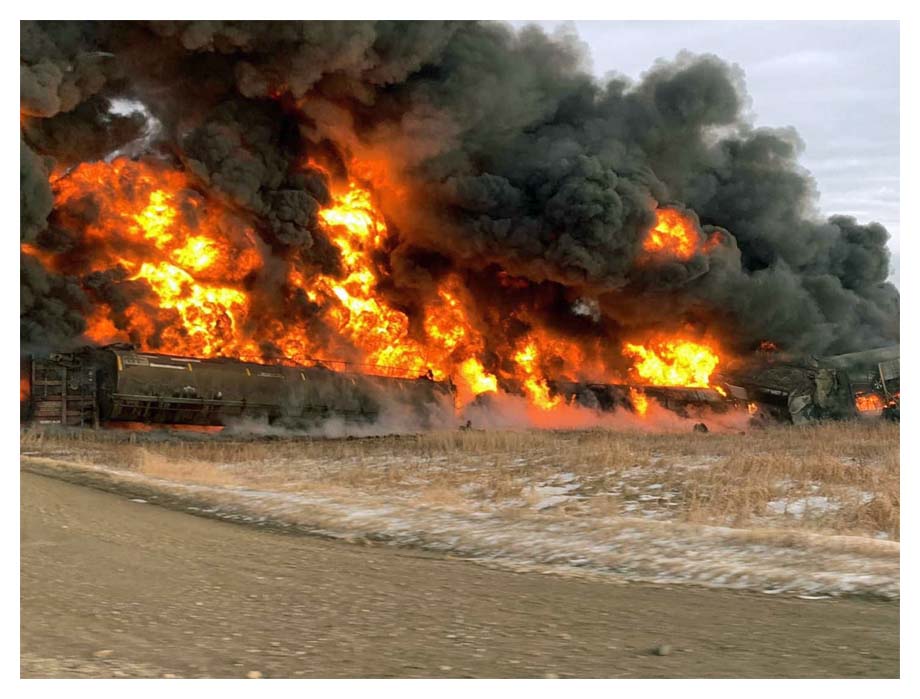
(837, 83)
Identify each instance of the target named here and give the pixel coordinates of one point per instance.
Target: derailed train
(117, 384)
(838, 387)
(775, 387)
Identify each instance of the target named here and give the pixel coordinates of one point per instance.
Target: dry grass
(840, 477)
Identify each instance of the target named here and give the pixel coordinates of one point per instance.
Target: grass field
(836, 478)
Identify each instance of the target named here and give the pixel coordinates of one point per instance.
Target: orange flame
(674, 234)
(194, 260)
(536, 388)
(639, 401)
(673, 362)
(866, 402)
(476, 380)
(46, 259)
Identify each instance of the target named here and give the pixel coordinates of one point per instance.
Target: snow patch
(800, 506)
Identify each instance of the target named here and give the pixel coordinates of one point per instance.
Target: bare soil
(112, 587)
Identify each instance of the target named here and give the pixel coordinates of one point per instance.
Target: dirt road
(112, 587)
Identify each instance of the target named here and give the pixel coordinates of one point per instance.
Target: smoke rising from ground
(496, 157)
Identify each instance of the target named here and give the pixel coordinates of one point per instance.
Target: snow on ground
(799, 506)
(556, 491)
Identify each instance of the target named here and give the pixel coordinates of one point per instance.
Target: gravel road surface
(111, 587)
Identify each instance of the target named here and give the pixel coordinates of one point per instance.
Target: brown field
(839, 478)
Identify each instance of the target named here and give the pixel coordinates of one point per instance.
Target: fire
(451, 337)
(673, 362)
(195, 275)
(155, 220)
(639, 401)
(866, 402)
(354, 212)
(450, 344)
(197, 254)
(150, 223)
(674, 234)
(379, 331)
(670, 361)
(207, 312)
(536, 388)
(39, 254)
(476, 380)
(195, 258)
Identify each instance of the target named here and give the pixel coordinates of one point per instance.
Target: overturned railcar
(788, 389)
(838, 387)
(95, 386)
(613, 397)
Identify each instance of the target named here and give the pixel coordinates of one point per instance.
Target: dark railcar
(119, 384)
(612, 397)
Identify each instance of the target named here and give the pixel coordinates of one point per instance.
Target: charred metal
(117, 384)
(785, 389)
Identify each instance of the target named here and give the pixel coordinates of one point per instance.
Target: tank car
(117, 383)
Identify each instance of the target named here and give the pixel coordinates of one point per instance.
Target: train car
(613, 397)
(839, 387)
(95, 386)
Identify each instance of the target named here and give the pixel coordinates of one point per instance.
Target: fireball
(673, 362)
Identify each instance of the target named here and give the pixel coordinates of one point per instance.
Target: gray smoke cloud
(35, 198)
(61, 64)
(52, 307)
(517, 161)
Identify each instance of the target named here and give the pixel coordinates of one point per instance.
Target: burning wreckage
(781, 389)
(207, 205)
(119, 384)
